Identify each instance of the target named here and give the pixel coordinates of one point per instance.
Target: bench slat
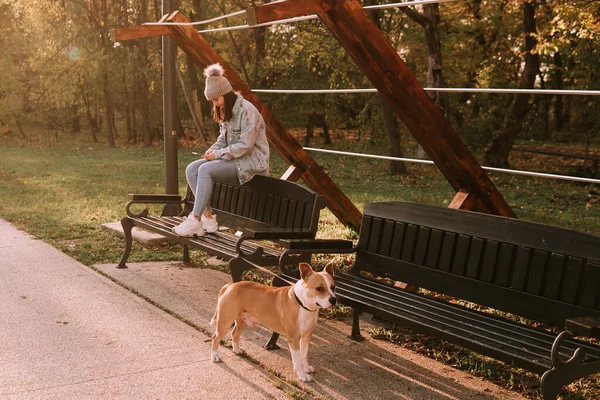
(590, 291)
(571, 279)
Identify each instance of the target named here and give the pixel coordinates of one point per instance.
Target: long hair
(227, 113)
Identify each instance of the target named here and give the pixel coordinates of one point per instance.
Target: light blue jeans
(200, 175)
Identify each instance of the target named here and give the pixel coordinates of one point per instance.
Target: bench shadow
(366, 370)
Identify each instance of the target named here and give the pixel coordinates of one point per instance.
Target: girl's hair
(227, 112)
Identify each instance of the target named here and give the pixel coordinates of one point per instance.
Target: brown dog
(291, 311)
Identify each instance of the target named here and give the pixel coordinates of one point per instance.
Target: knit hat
(216, 84)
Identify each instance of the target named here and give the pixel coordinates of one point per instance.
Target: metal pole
(169, 134)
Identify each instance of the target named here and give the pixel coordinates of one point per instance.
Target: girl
(240, 152)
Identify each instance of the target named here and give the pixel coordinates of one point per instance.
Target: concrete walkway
(69, 332)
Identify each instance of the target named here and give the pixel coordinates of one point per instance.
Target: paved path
(67, 332)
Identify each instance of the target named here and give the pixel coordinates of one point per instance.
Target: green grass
(62, 191)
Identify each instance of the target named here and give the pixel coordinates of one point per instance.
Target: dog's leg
(222, 326)
(297, 359)
(304, 343)
(239, 327)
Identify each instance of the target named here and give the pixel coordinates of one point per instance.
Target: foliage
(59, 64)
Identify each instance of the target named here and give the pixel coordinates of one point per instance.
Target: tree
(497, 154)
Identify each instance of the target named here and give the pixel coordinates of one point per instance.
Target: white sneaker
(210, 224)
(189, 227)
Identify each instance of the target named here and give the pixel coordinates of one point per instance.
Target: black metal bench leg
(564, 372)
(237, 266)
(186, 253)
(355, 335)
(127, 225)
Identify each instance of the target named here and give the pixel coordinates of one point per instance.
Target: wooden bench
(265, 208)
(542, 273)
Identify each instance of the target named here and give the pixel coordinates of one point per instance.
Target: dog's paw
(214, 357)
(236, 349)
(304, 377)
(309, 369)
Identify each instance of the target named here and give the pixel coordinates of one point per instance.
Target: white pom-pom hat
(216, 84)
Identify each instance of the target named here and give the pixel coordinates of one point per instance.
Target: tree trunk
(391, 123)
(19, 127)
(559, 122)
(430, 21)
(497, 154)
(106, 95)
(260, 52)
(75, 125)
(199, 130)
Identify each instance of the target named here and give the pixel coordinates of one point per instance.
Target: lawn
(61, 191)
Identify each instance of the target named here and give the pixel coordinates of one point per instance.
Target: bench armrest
(314, 246)
(150, 199)
(268, 233)
(318, 245)
(158, 198)
(584, 326)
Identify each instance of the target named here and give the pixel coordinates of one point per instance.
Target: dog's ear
(329, 268)
(305, 270)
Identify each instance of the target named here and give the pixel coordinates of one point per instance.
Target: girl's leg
(191, 173)
(207, 172)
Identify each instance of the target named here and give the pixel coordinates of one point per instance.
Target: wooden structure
(361, 38)
(542, 273)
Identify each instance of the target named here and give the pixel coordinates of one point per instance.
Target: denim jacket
(243, 140)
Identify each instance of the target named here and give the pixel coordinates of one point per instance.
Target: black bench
(264, 209)
(542, 273)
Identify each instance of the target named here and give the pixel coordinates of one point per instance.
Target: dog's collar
(302, 305)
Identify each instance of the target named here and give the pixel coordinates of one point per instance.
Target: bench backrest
(536, 271)
(269, 200)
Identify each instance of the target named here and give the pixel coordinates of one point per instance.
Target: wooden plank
(590, 290)
(285, 9)
(138, 32)
(387, 238)
(488, 264)
(380, 62)
(447, 251)
(422, 245)
(375, 236)
(398, 240)
(365, 232)
(435, 247)
(521, 268)
(504, 264)
(459, 263)
(190, 41)
(463, 200)
(410, 238)
(474, 259)
(535, 276)
(554, 276)
(293, 173)
(571, 280)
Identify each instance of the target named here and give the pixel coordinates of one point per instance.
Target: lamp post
(169, 133)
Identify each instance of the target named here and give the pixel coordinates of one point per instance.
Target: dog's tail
(216, 315)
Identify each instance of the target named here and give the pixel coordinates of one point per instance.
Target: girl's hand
(209, 155)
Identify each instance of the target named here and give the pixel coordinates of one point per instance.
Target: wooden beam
(194, 44)
(285, 9)
(293, 173)
(138, 32)
(463, 200)
(378, 60)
